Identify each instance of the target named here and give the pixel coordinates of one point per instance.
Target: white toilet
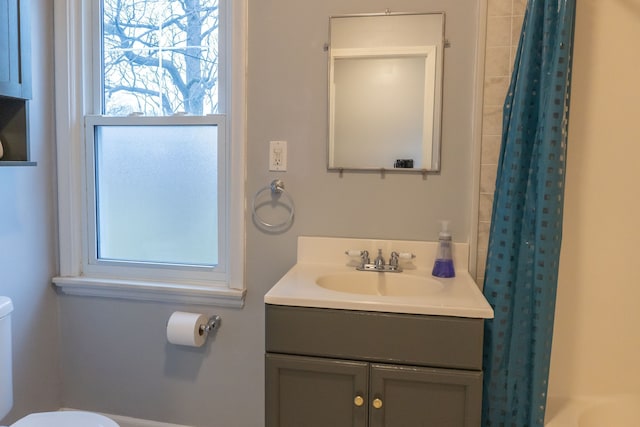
(43, 419)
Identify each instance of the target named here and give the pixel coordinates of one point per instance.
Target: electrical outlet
(278, 156)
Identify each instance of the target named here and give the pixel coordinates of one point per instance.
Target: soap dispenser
(443, 266)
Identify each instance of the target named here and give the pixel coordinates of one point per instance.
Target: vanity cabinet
(366, 369)
(15, 82)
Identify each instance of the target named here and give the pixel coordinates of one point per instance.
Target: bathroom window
(159, 190)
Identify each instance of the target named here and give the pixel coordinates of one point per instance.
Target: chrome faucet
(379, 264)
(379, 261)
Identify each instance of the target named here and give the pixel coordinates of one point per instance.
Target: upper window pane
(160, 57)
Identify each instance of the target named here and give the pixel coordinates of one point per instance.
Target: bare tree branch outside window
(160, 57)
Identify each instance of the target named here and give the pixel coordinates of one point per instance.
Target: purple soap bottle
(443, 266)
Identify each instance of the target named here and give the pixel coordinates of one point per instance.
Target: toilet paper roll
(187, 329)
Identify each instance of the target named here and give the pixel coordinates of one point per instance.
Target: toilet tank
(6, 373)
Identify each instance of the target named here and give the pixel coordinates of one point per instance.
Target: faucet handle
(406, 255)
(393, 259)
(364, 255)
(396, 257)
(353, 252)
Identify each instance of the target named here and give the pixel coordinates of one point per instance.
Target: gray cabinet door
(315, 392)
(15, 61)
(424, 397)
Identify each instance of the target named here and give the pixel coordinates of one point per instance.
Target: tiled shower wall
(504, 22)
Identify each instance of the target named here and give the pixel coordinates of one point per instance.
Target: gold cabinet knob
(358, 401)
(377, 403)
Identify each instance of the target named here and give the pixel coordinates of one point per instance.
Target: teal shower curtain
(526, 226)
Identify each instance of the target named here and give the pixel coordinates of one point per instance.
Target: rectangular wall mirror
(385, 91)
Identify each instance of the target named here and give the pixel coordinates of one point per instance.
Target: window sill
(150, 291)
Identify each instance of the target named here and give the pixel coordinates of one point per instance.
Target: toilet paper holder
(212, 324)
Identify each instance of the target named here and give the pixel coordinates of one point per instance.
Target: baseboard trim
(132, 422)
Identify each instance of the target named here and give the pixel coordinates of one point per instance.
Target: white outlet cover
(278, 156)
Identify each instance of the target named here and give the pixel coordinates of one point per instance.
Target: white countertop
(458, 296)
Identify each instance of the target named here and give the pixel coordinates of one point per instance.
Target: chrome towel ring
(277, 189)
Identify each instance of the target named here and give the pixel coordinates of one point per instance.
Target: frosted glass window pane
(157, 194)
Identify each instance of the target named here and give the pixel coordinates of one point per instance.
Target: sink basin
(383, 284)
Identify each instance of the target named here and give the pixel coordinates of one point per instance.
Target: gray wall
(27, 240)
(114, 354)
(288, 101)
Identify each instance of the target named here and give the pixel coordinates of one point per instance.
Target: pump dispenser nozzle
(443, 266)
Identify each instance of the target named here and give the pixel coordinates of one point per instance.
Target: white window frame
(74, 83)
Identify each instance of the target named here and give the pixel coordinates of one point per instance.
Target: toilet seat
(65, 419)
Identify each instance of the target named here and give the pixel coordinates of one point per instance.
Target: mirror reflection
(385, 91)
